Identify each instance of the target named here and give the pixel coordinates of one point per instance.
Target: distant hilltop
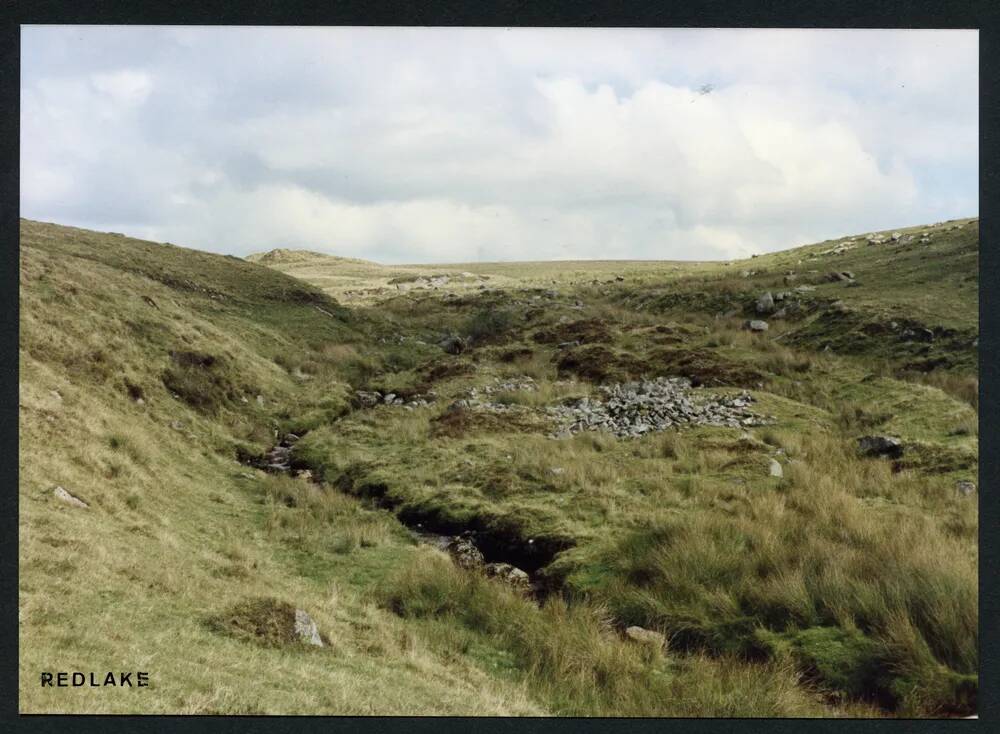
(284, 255)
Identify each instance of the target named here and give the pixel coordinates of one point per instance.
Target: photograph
(480, 371)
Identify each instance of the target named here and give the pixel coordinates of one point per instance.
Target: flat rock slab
(645, 636)
(69, 499)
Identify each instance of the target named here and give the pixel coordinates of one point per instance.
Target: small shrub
(489, 325)
(201, 380)
(265, 621)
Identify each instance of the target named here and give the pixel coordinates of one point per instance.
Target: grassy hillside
(844, 587)
(177, 532)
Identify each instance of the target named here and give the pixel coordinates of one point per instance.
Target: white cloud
(462, 144)
(126, 87)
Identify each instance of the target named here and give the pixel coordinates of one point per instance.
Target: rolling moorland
(302, 484)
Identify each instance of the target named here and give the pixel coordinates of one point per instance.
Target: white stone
(68, 498)
(306, 629)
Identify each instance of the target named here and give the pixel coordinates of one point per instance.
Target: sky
(408, 145)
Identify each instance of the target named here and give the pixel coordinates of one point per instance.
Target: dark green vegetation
(847, 586)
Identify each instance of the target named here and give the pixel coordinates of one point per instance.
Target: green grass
(846, 588)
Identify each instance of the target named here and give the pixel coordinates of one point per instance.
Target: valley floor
(614, 430)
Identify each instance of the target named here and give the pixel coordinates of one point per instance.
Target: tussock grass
(961, 387)
(571, 653)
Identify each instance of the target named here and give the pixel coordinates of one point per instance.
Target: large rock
(765, 303)
(452, 344)
(306, 629)
(368, 399)
(775, 470)
(756, 325)
(465, 552)
(880, 446)
(646, 637)
(508, 574)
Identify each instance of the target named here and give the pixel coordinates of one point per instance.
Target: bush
(200, 380)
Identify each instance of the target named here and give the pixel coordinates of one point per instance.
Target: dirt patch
(135, 392)
(599, 364)
(518, 354)
(702, 367)
(441, 369)
(585, 331)
(193, 359)
(931, 459)
(460, 422)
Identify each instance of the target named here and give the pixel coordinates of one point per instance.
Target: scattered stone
(965, 487)
(756, 325)
(765, 303)
(896, 236)
(789, 279)
(919, 334)
(472, 399)
(557, 470)
(775, 469)
(646, 637)
(306, 629)
(367, 399)
(69, 499)
(881, 446)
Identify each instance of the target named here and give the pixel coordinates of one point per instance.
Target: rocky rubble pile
(631, 409)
